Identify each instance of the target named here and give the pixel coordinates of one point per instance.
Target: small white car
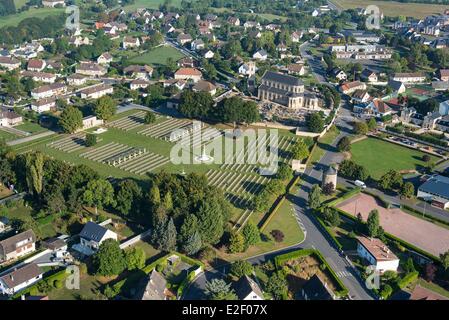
(360, 184)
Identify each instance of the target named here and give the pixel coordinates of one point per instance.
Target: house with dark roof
(18, 245)
(154, 288)
(247, 289)
(92, 236)
(315, 289)
(435, 190)
(20, 278)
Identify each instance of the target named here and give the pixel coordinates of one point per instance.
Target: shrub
(207, 254)
(57, 284)
(408, 278)
(277, 235)
(160, 267)
(91, 140)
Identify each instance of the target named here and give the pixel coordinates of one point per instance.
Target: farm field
(15, 19)
(150, 4)
(380, 156)
(158, 56)
(394, 8)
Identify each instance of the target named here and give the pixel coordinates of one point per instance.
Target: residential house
(209, 54)
(444, 74)
(430, 120)
(436, 191)
(9, 118)
(4, 224)
(138, 71)
(260, 55)
(20, 278)
(286, 90)
(130, 42)
(296, 69)
(96, 92)
(90, 69)
(350, 87)
(198, 44)
(376, 107)
(49, 90)
(251, 25)
(36, 65)
(79, 41)
(398, 87)
(281, 48)
(316, 289)
(338, 74)
(184, 38)
(248, 69)
(255, 34)
(76, 80)
(247, 289)
(296, 36)
(45, 77)
(360, 96)
(155, 287)
(188, 74)
(234, 21)
(205, 86)
(105, 58)
(138, 84)
(368, 75)
(93, 235)
(18, 245)
(186, 62)
(377, 254)
(443, 124)
(410, 77)
(9, 63)
(43, 105)
(53, 3)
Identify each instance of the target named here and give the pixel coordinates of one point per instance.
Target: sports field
(421, 233)
(380, 156)
(394, 8)
(158, 56)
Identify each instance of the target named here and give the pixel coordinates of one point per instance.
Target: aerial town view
(204, 150)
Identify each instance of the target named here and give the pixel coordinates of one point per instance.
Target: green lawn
(20, 3)
(7, 136)
(15, 19)
(158, 56)
(379, 156)
(31, 127)
(149, 4)
(323, 145)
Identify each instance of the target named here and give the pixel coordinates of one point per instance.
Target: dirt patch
(423, 234)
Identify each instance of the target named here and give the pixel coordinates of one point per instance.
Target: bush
(58, 284)
(91, 140)
(277, 235)
(207, 254)
(408, 278)
(160, 267)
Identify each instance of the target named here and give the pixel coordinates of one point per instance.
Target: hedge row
(408, 278)
(389, 236)
(342, 291)
(185, 283)
(33, 290)
(344, 197)
(336, 242)
(432, 218)
(382, 201)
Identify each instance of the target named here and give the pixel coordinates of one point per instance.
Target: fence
(135, 239)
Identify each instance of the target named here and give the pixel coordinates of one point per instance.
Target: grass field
(20, 3)
(31, 127)
(15, 19)
(158, 56)
(150, 4)
(324, 144)
(394, 8)
(380, 156)
(7, 136)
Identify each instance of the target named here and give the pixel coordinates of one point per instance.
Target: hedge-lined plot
(164, 130)
(129, 122)
(69, 144)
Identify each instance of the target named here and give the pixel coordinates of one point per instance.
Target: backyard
(158, 56)
(379, 156)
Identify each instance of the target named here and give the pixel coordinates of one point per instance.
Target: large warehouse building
(436, 190)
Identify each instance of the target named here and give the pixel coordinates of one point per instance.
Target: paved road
(315, 64)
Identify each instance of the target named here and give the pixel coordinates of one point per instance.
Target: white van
(360, 184)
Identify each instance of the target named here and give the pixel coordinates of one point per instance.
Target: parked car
(360, 184)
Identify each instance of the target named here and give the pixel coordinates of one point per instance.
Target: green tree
(109, 259)
(445, 260)
(105, 107)
(315, 122)
(360, 128)
(188, 228)
(150, 117)
(99, 193)
(168, 241)
(251, 234)
(277, 285)
(91, 140)
(34, 167)
(344, 144)
(218, 289)
(193, 244)
(168, 201)
(373, 223)
(210, 222)
(372, 124)
(331, 217)
(71, 119)
(241, 268)
(315, 197)
(135, 258)
(128, 192)
(386, 291)
(236, 242)
(300, 150)
(154, 195)
(285, 172)
(407, 190)
(195, 104)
